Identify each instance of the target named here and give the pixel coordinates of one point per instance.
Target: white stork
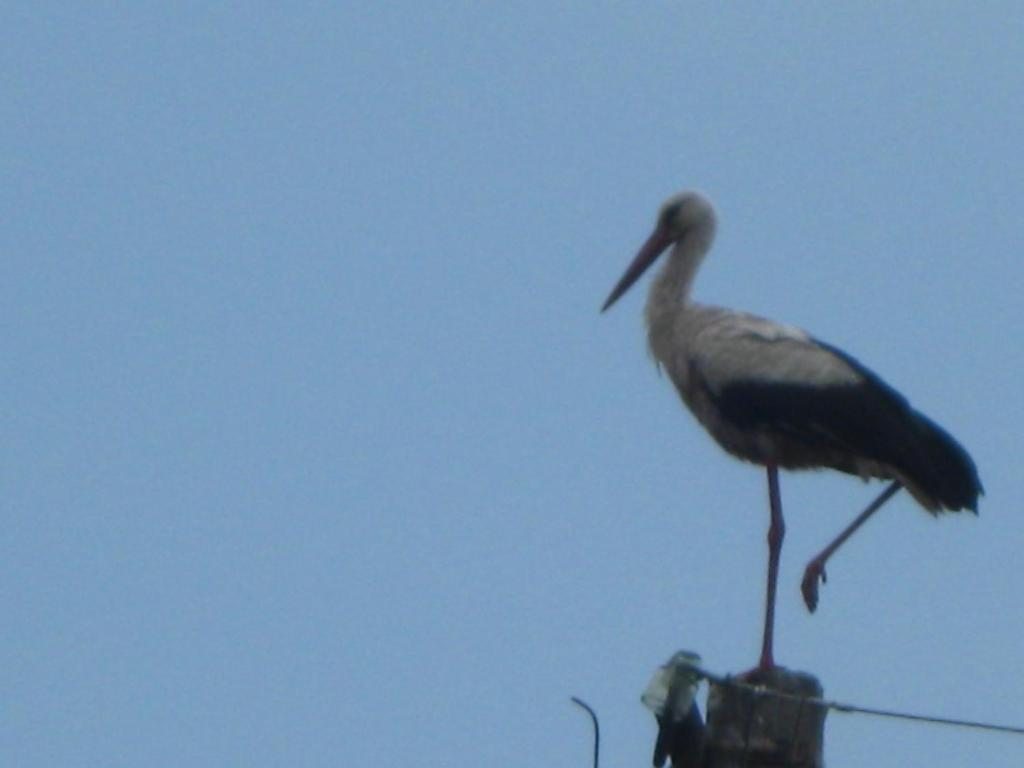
(773, 395)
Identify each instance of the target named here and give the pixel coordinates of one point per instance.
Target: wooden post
(753, 729)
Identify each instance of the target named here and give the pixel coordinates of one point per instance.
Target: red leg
(776, 533)
(816, 568)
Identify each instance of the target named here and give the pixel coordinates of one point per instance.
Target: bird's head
(686, 218)
(687, 214)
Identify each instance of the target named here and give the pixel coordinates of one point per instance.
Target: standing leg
(816, 568)
(776, 533)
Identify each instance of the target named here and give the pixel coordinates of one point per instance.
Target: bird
(672, 696)
(773, 395)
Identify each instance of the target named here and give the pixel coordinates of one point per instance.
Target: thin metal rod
(597, 728)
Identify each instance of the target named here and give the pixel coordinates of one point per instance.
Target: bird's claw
(809, 586)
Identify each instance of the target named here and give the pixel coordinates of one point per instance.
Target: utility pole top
(751, 728)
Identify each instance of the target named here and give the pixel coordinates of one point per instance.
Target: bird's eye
(669, 213)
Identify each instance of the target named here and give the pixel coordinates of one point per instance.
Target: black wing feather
(834, 425)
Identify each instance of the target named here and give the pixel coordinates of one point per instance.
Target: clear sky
(316, 450)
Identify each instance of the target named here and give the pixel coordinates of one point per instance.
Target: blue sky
(316, 450)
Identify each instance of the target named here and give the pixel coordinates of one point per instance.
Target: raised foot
(814, 573)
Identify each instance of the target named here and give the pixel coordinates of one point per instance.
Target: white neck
(670, 290)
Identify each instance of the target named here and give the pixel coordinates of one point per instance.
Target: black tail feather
(939, 471)
(939, 466)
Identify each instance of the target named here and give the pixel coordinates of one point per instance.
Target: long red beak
(648, 254)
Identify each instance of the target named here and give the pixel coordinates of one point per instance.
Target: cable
(855, 709)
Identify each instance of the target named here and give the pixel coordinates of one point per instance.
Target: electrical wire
(856, 709)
